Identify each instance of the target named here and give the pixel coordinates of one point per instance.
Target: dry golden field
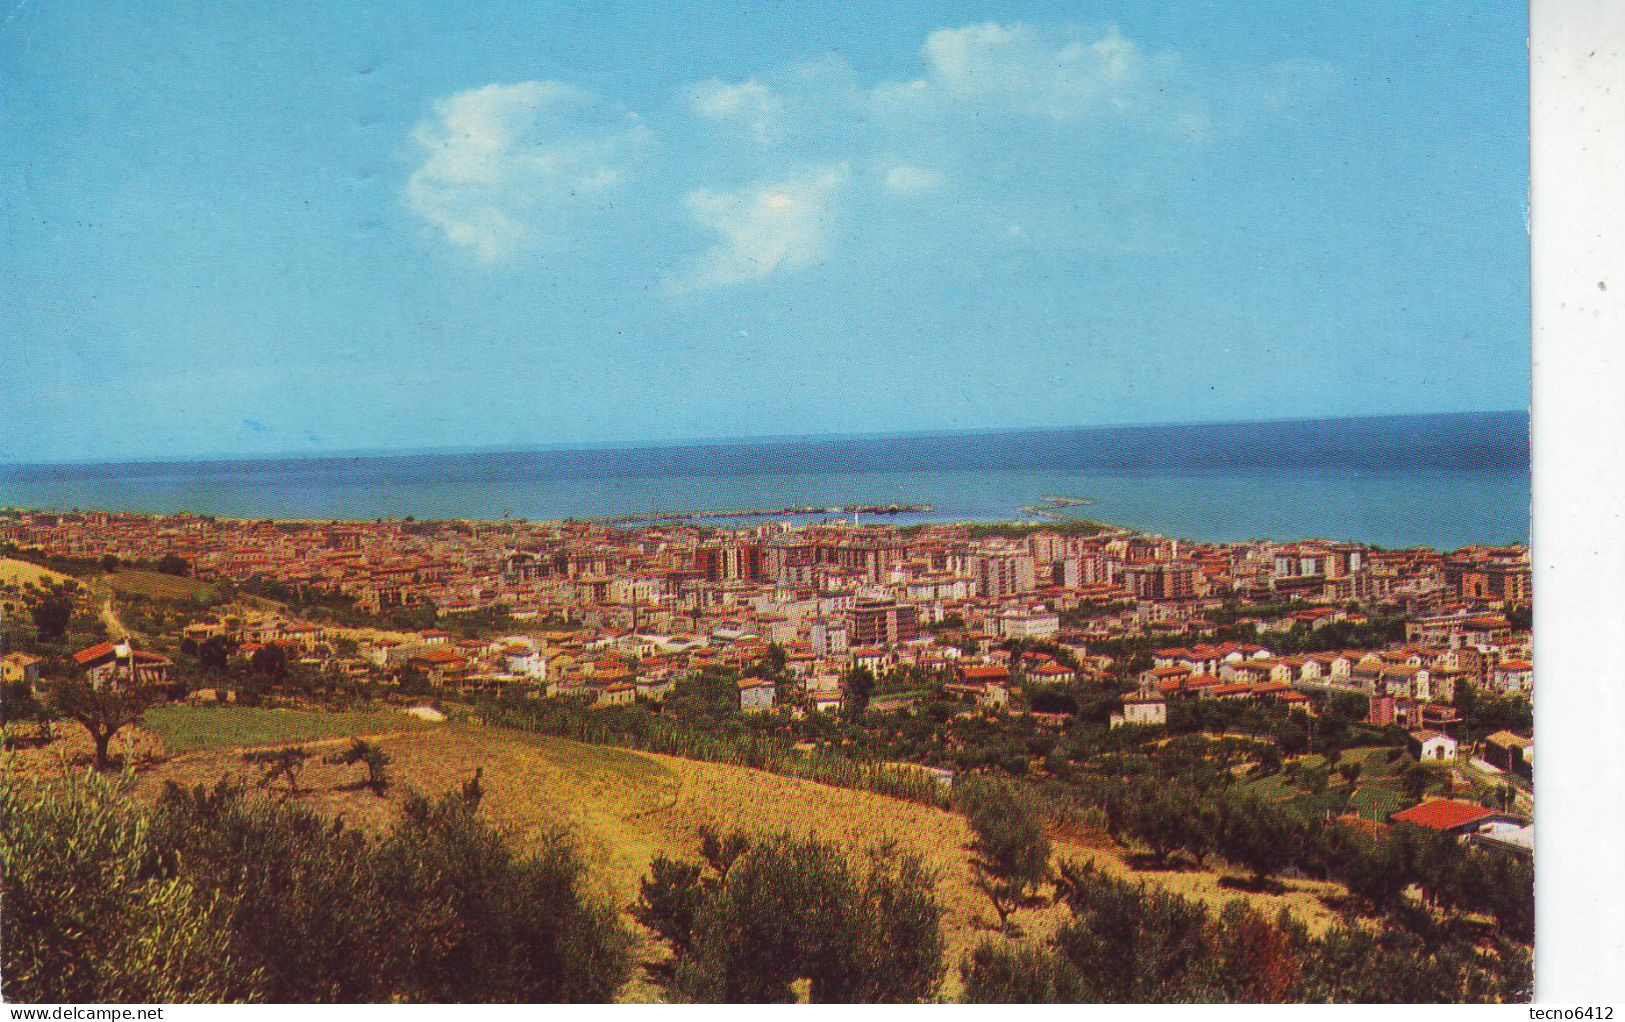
(21, 573)
(624, 807)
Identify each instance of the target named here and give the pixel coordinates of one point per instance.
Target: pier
(772, 512)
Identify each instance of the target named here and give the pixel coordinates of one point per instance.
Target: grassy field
(624, 807)
(21, 573)
(1374, 796)
(1378, 801)
(186, 729)
(155, 585)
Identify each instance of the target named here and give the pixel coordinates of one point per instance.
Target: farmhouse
(755, 694)
(1432, 746)
(1510, 752)
(1470, 822)
(120, 664)
(20, 669)
(1145, 709)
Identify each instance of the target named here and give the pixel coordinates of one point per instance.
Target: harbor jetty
(1055, 508)
(769, 512)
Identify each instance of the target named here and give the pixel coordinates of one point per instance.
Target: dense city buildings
(613, 612)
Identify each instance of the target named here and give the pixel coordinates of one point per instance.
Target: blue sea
(1443, 481)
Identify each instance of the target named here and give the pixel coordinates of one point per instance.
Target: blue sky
(241, 228)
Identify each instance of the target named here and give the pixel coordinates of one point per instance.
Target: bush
(1259, 836)
(214, 895)
(1130, 943)
(87, 919)
(1126, 942)
(669, 899)
(1005, 973)
(772, 912)
(376, 761)
(303, 896)
(498, 927)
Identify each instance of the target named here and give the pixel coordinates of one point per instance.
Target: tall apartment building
(1004, 574)
(1166, 580)
(881, 623)
(729, 562)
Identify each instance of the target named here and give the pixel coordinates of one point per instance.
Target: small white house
(1432, 746)
(825, 701)
(755, 694)
(654, 689)
(1144, 709)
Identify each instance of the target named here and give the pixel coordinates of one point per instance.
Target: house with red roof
(1450, 816)
(1051, 672)
(119, 664)
(755, 695)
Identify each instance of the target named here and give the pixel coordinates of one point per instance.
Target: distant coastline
(1442, 481)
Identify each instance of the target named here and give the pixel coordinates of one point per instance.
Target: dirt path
(102, 587)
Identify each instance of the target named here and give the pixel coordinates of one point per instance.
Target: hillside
(625, 807)
(155, 585)
(22, 573)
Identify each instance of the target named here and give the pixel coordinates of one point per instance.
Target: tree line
(1125, 942)
(216, 894)
(1377, 865)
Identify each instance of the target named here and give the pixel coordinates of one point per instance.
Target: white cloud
(765, 228)
(907, 179)
(503, 164)
(754, 107)
(1017, 69)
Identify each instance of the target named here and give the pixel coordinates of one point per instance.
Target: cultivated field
(185, 729)
(1375, 794)
(155, 585)
(624, 807)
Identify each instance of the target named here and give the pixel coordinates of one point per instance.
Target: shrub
(772, 912)
(215, 895)
(88, 920)
(1126, 942)
(493, 926)
(1004, 973)
(376, 761)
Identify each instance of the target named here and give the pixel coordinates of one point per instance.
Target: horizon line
(344, 454)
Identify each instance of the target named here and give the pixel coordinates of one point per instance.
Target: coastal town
(986, 615)
(1333, 730)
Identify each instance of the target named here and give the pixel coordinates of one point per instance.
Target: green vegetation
(215, 895)
(638, 729)
(89, 919)
(52, 614)
(102, 712)
(159, 585)
(192, 729)
(1012, 848)
(1126, 942)
(769, 912)
(376, 761)
(284, 763)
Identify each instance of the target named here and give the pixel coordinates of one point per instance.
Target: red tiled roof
(1443, 814)
(982, 672)
(93, 654)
